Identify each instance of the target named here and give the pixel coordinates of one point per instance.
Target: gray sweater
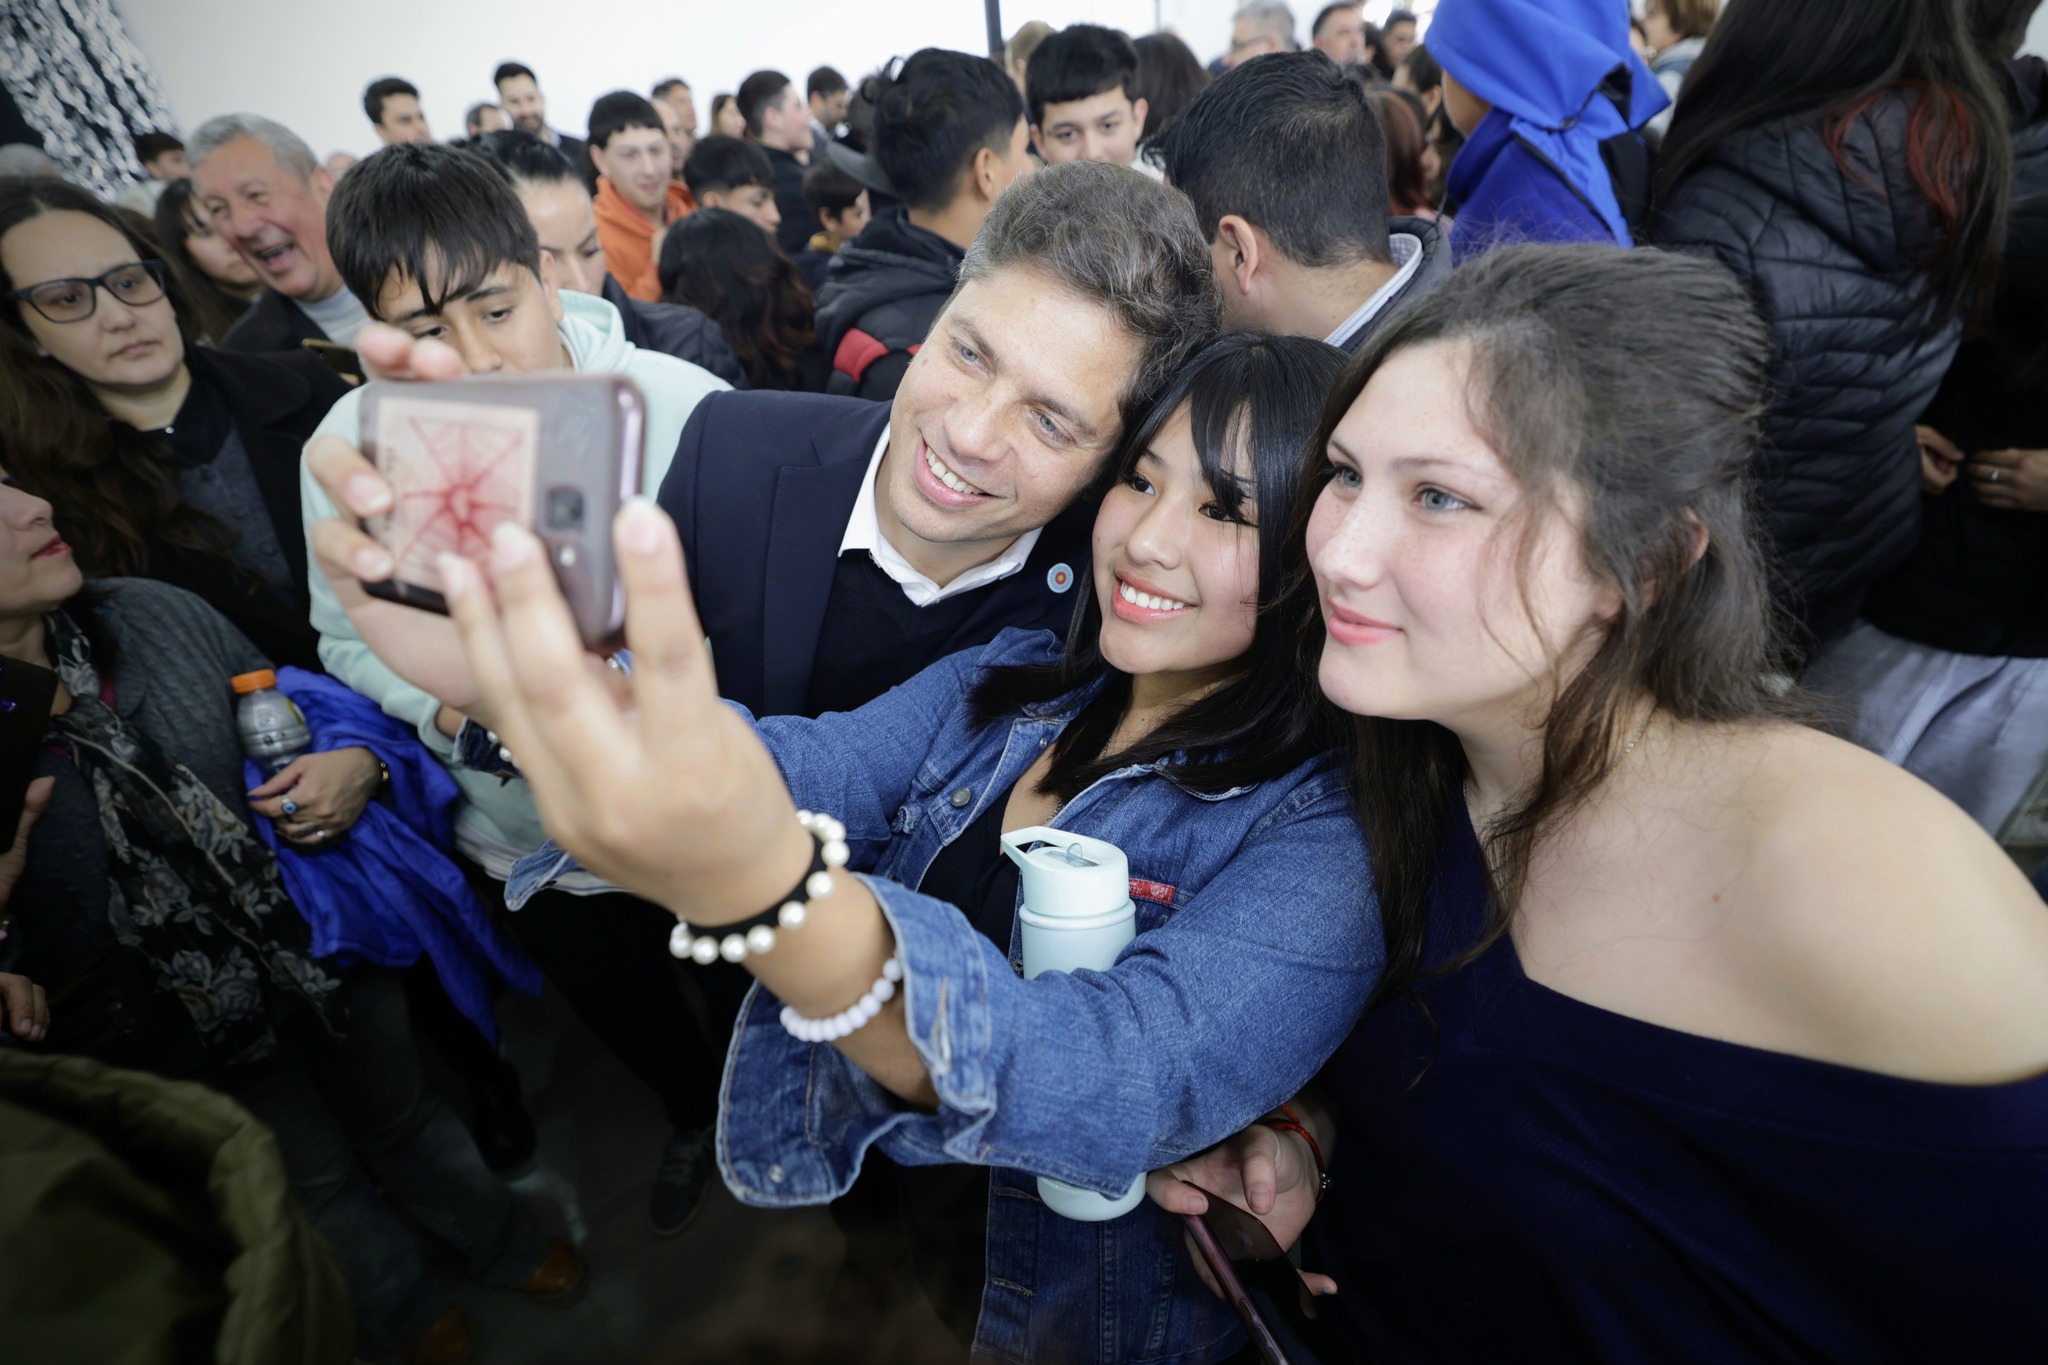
(175, 657)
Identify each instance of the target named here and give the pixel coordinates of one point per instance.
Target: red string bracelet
(1293, 1124)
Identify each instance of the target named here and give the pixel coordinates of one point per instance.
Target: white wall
(2037, 34)
(306, 64)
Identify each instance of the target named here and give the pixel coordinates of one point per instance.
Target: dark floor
(740, 1285)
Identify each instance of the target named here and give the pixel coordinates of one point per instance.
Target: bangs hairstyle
(1630, 388)
(440, 216)
(1080, 63)
(1251, 402)
(210, 310)
(618, 111)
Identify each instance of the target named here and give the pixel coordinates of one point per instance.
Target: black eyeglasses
(73, 300)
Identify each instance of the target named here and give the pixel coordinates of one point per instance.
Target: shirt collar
(864, 532)
(1406, 248)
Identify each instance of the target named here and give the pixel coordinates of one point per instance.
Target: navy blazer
(761, 489)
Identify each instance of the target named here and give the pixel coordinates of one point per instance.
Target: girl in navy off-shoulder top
(1728, 1041)
(1545, 1180)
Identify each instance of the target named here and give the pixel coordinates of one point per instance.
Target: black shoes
(687, 1166)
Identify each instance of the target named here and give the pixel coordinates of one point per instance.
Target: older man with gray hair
(1259, 27)
(267, 195)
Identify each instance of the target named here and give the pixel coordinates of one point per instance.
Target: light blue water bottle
(1077, 913)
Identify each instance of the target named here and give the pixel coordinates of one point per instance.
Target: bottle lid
(1068, 875)
(253, 682)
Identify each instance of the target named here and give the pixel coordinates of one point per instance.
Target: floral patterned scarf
(190, 886)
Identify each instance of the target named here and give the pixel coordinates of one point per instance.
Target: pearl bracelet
(736, 942)
(850, 1019)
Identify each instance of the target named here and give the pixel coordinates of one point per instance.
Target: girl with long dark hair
(1703, 1035)
(163, 458)
(216, 282)
(1850, 164)
(724, 266)
(1174, 723)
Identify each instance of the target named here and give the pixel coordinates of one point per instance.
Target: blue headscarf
(1541, 63)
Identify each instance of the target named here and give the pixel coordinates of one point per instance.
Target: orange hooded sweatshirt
(628, 237)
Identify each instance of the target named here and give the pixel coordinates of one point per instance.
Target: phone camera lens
(565, 509)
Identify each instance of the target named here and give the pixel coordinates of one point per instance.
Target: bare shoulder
(1903, 937)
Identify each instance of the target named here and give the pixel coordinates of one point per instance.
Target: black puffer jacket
(675, 329)
(880, 298)
(1977, 583)
(1834, 254)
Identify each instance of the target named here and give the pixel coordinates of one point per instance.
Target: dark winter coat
(1835, 254)
(272, 323)
(675, 329)
(881, 296)
(1977, 583)
(277, 401)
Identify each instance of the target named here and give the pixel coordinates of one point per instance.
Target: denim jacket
(1257, 945)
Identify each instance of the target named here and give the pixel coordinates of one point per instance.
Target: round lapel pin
(1059, 578)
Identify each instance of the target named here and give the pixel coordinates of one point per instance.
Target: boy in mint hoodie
(435, 242)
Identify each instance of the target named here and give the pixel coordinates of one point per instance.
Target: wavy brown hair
(114, 492)
(723, 265)
(1629, 384)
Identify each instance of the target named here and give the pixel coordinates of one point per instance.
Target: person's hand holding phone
(418, 646)
(1268, 1173)
(326, 792)
(662, 789)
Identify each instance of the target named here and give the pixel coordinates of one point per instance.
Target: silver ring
(1993, 475)
(291, 807)
(318, 833)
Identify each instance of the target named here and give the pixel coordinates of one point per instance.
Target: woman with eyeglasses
(164, 459)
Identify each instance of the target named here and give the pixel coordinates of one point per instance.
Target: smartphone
(343, 360)
(558, 454)
(1234, 1290)
(26, 694)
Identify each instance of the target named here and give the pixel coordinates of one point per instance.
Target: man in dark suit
(836, 547)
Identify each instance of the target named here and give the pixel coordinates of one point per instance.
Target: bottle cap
(253, 682)
(1068, 875)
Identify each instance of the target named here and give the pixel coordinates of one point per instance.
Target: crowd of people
(1529, 532)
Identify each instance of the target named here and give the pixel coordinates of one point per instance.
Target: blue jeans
(350, 1109)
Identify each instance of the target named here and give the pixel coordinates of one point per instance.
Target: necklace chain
(1615, 766)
